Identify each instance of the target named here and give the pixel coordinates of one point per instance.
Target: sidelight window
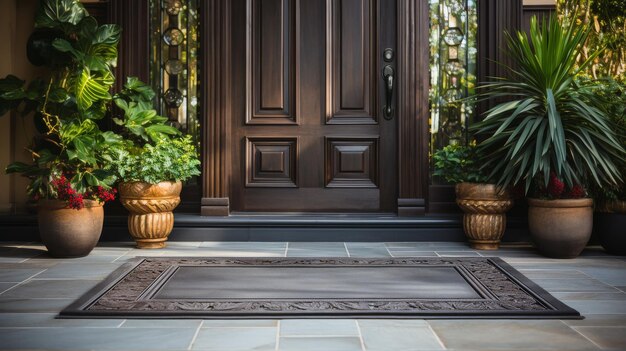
(174, 46)
(453, 48)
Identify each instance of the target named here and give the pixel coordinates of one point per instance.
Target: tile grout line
(309, 336)
(278, 325)
(27, 280)
(345, 246)
(195, 335)
(430, 327)
(286, 248)
(583, 335)
(388, 251)
(358, 328)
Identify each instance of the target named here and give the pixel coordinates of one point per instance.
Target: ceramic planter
(610, 227)
(484, 219)
(150, 205)
(560, 228)
(67, 232)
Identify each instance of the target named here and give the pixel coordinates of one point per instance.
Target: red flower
(576, 192)
(555, 186)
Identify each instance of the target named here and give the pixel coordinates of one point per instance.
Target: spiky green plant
(548, 122)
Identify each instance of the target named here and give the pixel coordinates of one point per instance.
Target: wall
(16, 24)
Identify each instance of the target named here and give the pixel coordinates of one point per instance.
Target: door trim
(412, 142)
(215, 87)
(413, 109)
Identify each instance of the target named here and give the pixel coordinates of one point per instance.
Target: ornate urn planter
(560, 228)
(68, 232)
(484, 218)
(151, 220)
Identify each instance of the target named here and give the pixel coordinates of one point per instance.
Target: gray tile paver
(40, 320)
(335, 343)
(608, 338)
(17, 275)
(599, 320)
(397, 338)
(96, 338)
(574, 285)
(509, 335)
(33, 305)
(61, 288)
(395, 253)
(72, 270)
(317, 327)
(161, 323)
(235, 339)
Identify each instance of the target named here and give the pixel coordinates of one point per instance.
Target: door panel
(351, 73)
(270, 62)
(308, 132)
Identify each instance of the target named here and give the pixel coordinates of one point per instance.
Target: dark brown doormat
(190, 287)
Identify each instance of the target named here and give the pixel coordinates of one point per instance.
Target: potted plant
(151, 165)
(484, 204)
(68, 175)
(550, 125)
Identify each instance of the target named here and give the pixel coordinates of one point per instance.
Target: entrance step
(286, 227)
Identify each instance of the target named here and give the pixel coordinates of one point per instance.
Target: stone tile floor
(35, 287)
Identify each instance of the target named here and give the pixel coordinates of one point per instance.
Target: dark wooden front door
(309, 131)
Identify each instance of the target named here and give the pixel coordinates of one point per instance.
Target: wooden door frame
(413, 62)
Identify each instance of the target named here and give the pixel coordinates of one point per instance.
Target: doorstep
(285, 227)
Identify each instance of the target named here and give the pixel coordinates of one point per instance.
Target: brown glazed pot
(67, 232)
(560, 228)
(484, 218)
(150, 205)
(610, 227)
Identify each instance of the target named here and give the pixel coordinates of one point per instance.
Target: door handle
(388, 79)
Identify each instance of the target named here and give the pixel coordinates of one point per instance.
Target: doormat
(219, 288)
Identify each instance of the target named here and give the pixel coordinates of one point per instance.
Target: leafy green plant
(459, 163)
(606, 21)
(550, 123)
(169, 159)
(614, 95)
(140, 121)
(67, 104)
(152, 151)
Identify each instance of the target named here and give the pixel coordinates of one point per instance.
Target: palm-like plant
(548, 123)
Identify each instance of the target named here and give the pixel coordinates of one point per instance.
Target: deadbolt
(388, 55)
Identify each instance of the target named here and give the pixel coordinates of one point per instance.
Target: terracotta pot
(560, 228)
(67, 232)
(610, 228)
(484, 218)
(150, 205)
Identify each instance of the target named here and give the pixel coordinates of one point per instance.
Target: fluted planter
(151, 220)
(68, 232)
(484, 219)
(560, 228)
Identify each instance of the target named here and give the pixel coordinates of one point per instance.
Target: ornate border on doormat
(506, 293)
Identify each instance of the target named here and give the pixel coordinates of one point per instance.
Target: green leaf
(58, 95)
(19, 167)
(158, 132)
(13, 95)
(54, 13)
(10, 82)
(91, 87)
